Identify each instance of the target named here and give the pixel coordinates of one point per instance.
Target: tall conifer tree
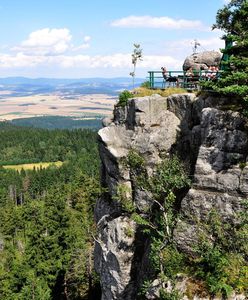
(233, 20)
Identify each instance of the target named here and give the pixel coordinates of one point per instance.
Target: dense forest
(60, 122)
(24, 145)
(46, 214)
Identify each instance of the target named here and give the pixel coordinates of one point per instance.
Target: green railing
(156, 79)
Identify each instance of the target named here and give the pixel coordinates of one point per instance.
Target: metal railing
(156, 80)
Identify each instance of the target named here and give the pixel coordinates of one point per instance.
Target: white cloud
(81, 47)
(157, 22)
(20, 60)
(85, 44)
(50, 42)
(172, 57)
(153, 62)
(98, 62)
(214, 43)
(87, 38)
(48, 50)
(186, 45)
(46, 41)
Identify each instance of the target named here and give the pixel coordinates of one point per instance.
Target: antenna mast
(195, 46)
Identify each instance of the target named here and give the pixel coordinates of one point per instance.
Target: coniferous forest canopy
(46, 214)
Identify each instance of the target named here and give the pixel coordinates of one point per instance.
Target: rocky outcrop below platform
(211, 141)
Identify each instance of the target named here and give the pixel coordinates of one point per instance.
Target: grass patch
(142, 91)
(31, 166)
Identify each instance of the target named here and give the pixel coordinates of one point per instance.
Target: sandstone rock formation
(212, 141)
(202, 60)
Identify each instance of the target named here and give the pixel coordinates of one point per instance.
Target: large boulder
(202, 61)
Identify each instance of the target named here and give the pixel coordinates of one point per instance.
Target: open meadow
(78, 106)
(31, 166)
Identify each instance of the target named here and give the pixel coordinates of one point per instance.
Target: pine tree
(233, 20)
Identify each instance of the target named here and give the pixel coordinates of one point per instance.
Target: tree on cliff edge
(233, 20)
(136, 56)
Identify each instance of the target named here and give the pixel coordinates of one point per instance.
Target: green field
(31, 166)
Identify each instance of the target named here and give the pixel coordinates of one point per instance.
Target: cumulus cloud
(20, 60)
(46, 41)
(49, 49)
(173, 57)
(115, 61)
(84, 45)
(157, 22)
(213, 43)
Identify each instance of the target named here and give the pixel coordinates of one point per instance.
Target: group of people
(209, 74)
(190, 72)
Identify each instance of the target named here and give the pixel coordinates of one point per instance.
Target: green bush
(212, 266)
(123, 98)
(135, 160)
(123, 196)
(169, 177)
(222, 262)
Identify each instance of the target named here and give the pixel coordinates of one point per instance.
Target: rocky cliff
(212, 143)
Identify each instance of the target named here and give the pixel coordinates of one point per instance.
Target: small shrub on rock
(123, 98)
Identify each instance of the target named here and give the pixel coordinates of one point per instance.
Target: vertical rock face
(219, 182)
(213, 142)
(115, 252)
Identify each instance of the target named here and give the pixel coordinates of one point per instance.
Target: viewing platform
(180, 79)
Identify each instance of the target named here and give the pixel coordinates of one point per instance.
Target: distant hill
(22, 85)
(66, 81)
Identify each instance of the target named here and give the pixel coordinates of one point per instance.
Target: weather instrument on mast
(196, 44)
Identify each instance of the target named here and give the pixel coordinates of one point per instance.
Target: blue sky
(94, 38)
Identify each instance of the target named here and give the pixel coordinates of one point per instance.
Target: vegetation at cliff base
(168, 178)
(221, 254)
(217, 264)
